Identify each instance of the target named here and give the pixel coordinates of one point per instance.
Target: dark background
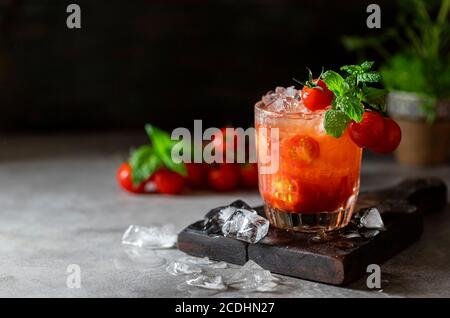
(164, 62)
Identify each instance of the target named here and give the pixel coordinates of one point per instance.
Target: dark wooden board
(334, 260)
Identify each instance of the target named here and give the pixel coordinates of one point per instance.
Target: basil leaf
(162, 144)
(144, 163)
(335, 122)
(351, 106)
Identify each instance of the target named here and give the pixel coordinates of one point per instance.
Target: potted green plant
(418, 77)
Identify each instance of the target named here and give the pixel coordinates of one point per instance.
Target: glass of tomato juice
(309, 180)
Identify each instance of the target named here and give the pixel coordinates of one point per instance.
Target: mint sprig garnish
(351, 106)
(335, 82)
(369, 77)
(352, 96)
(375, 98)
(335, 122)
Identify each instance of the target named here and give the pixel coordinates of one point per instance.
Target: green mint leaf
(375, 97)
(334, 82)
(352, 69)
(350, 92)
(163, 144)
(333, 103)
(335, 122)
(358, 69)
(349, 83)
(367, 65)
(351, 106)
(369, 77)
(144, 163)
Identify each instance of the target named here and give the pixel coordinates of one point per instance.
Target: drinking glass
(309, 180)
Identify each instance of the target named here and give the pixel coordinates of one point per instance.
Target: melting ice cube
(371, 219)
(152, 237)
(215, 218)
(209, 282)
(205, 261)
(177, 268)
(351, 235)
(246, 225)
(370, 233)
(252, 277)
(138, 259)
(189, 265)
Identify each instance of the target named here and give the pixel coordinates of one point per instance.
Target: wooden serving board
(334, 260)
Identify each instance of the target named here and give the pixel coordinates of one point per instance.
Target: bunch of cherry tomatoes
(220, 177)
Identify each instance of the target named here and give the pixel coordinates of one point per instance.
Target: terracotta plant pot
(422, 143)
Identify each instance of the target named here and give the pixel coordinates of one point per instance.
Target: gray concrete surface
(60, 205)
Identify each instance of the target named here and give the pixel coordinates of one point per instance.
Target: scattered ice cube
(196, 260)
(252, 277)
(138, 259)
(152, 237)
(215, 218)
(370, 233)
(218, 265)
(202, 275)
(189, 265)
(205, 261)
(209, 282)
(178, 268)
(197, 292)
(351, 235)
(246, 225)
(267, 287)
(371, 219)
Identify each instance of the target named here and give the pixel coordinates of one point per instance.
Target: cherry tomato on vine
(316, 95)
(124, 179)
(223, 139)
(168, 182)
(223, 177)
(196, 175)
(391, 137)
(249, 175)
(369, 132)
